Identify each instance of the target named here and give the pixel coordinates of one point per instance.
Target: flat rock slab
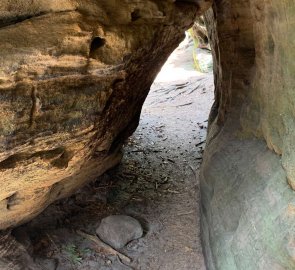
(119, 230)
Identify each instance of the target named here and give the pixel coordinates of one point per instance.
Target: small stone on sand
(119, 230)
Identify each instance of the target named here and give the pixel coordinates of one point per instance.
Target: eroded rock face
(247, 177)
(74, 75)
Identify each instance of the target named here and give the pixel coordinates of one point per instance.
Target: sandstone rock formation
(199, 33)
(74, 75)
(202, 52)
(248, 170)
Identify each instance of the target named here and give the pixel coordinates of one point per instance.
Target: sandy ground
(156, 183)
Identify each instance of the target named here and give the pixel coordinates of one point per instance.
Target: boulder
(119, 230)
(73, 78)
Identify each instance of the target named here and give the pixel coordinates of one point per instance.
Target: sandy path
(164, 151)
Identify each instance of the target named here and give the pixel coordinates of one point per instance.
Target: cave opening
(135, 15)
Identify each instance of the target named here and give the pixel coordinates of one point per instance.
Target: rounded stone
(119, 230)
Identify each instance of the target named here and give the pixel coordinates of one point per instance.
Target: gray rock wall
(247, 177)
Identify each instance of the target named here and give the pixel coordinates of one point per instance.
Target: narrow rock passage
(162, 159)
(156, 183)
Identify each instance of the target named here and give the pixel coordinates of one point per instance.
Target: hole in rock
(135, 15)
(11, 201)
(156, 182)
(96, 44)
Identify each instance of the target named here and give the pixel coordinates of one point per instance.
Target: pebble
(119, 230)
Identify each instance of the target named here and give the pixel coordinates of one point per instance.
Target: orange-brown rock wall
(73, 78)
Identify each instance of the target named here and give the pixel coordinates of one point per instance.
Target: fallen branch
(104, 246)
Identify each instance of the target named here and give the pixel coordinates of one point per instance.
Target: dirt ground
(156, 183)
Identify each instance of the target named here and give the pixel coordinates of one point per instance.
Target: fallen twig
(137, 151)
(171, 160)
(172, 191)
(191, 167)
(187, 213)
(156, 151)
(182, 105)
(51, 240)
(198, 144)
(103, 245)
(105, 186)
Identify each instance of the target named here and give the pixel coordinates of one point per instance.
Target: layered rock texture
(73, 78)
(74, 75)
(247, 177)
